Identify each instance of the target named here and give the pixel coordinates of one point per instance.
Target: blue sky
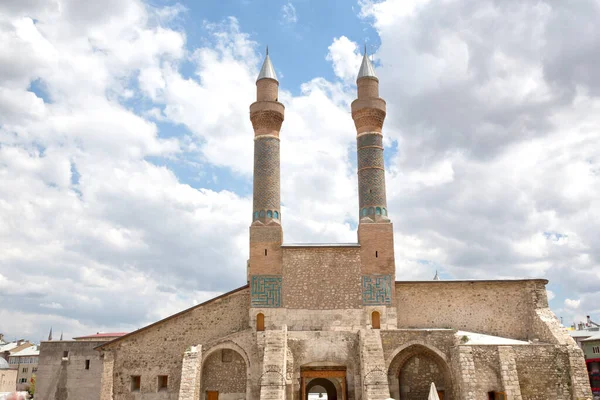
(126, 147)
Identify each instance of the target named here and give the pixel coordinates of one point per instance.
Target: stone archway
(224, 371)
(413, 368)
(329, 387)
(331, 378)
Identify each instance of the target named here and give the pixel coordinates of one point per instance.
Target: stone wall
(61, 378)
(224, 371)
(159, 348)
(317, 278)
(499, 308)
(416, 376)
(8, 380)
(487, 372)
(544, 372)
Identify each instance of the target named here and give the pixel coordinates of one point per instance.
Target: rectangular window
(34, 369)
(65, 354)
(24, 370)
(596, 349)
(163, 382)
(87, 364)
(226, 355)
(23, 380)
(136, 383)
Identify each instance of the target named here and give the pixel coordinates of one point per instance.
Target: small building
(25, 362)
(8, 377)
(71, 369)
(591, 351)
(6, 349)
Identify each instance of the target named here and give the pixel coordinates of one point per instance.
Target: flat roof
(320, 245)
(101, 335)
(476, 280)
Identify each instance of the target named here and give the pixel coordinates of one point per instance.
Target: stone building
(8, 377)
(332, 316)
(71, 369)
(26, 363)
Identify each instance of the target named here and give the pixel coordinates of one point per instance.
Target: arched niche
(225, 369)
(413, 367)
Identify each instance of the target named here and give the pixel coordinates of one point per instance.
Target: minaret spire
(267, 70)
(50, 334)
(375, 231)
(266, 235)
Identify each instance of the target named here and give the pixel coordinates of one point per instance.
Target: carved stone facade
(333, 317)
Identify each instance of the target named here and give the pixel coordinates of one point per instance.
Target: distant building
(25, 362)
(71, 369)
(8, 377)
(6, 349)
(587, 336)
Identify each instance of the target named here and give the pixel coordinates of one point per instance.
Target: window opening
(269, 214)
(136, 383)
(226, 355)
(87, 364)
(376, 320)
(376, 254)
(265, 252)
(163, 382)
(65, 354)
(260, 322)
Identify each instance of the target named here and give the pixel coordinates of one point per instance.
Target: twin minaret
(267, 114)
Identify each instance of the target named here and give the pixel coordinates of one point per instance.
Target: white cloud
(573, 304)
(53, 305)
(493, 170)
(344, 55)
(288, 13)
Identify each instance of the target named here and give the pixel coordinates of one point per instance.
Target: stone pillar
(272, 381)
(580, 380)
(375, 384)
(191, 370)
(508, 372)
(466, 373)
(106, 383)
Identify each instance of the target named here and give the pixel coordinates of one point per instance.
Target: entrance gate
(325, 377)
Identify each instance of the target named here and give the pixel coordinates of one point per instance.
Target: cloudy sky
(126, 148)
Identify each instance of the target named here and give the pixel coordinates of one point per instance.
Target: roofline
(111, 342)
(73, 341)
(545, 281)
(296, 245)
(99, 335)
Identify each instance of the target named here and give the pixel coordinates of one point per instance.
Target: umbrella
(433, 395)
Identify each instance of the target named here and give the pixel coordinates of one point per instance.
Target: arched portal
(413, 369)
(224, 374)
(325, 384)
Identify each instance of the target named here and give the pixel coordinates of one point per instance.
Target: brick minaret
(266, 235)
(375, 231)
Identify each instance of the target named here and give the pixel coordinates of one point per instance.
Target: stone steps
(373, 371)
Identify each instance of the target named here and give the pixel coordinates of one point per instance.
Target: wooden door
(375, 320)
(212, 395)
(441, 394)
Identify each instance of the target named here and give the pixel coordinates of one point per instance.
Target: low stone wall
(500, 308)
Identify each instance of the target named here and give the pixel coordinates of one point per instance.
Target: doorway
(212, 395)
(327, 382)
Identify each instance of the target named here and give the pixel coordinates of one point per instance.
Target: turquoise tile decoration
(377, 290)
(266, 291)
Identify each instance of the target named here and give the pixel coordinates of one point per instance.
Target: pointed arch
(405, 356)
